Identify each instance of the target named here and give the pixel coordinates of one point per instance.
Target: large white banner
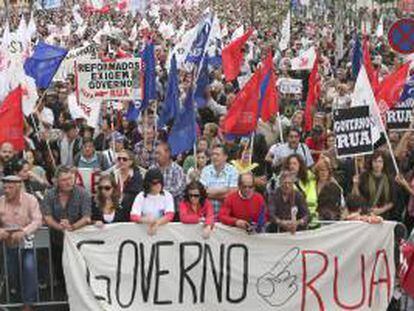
(346, 266)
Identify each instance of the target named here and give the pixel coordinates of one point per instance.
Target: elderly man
(66, 207)
(245, 208)
(20, 217)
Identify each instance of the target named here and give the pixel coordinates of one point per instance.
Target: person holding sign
(154, 206)
(288, 208)
(196, 208)
(376, 186)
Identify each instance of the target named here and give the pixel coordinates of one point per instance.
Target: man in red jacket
(245, 208)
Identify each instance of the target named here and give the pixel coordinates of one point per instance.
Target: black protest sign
(399, 118)
(352, 127)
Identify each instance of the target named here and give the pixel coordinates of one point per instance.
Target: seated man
(20, 217)
(245, 208)
(288, 208)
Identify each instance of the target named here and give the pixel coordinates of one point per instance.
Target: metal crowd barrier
(50, 293)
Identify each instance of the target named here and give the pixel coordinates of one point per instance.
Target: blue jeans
(29, 273)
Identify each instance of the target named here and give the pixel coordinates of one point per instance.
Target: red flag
(314, 92)
(371, 72)
(268, 93)
(241, 118)
(11, 120)
(232, 56)
(389, 90)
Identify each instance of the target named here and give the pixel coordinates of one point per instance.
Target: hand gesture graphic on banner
(278, 285)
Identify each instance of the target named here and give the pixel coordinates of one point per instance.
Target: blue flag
(133, 111)
(408, 92)
(150, 90)
(356, 56)
(44, 63)
(261, 220)
(172, 99)
(183, 132)
(201, 85)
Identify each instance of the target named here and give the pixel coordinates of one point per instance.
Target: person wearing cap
(153, 206)
(245, 208)
(20, 218)
(288, 208)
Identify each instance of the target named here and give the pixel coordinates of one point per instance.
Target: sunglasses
(122, 159)
(247, 186)
(107, 188)
(155, 182)
(194, 195)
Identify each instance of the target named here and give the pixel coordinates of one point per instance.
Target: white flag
(5, 42)
(285, 38)
(237, 33)
(364, 96)
(134, 33)
(304, 61)
(380, 27)
(89, 112)
(31, 28)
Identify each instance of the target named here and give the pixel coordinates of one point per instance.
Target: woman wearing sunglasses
(196, 208)
(128, 178)
(106, 206)
(154, 206)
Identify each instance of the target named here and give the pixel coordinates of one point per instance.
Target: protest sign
(345, 266)
(109, 80)
(400, 117)
(290, 86)
(87, 178)
(352, 128)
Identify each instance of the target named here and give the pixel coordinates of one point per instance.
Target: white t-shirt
(155, 205)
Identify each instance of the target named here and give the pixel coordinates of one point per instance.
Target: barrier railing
(50, 291)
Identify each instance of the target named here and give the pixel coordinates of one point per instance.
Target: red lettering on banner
(387, 280)
(308, 284)
(336, 295)
(119, 93)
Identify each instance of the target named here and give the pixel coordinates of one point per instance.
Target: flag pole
(251, 146)
(279, 121)
(394, 161)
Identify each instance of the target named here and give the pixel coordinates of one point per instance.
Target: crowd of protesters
(262, 186)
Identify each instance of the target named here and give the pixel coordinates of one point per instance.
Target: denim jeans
(29, 273)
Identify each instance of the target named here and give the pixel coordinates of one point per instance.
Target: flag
(31, 28)
(285, 38)
(183, 133)
(305, 60)
(44, 63)
(201, 85)
(390, 88)
(11, 120)
(363, 95)
(6, 39)
(408, 92)
(172, 98)
(356, 56)
(232, 56)
(148, 60)
(314, 92)
(371, 72)
(268, 102)
(241, 119)
(380, 28)
(132, 113)
(237, 33)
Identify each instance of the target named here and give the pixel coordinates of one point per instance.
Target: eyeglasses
(247, 186)
(122, 159)
(107, 188)
(194, 195)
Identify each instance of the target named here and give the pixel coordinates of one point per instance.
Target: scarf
(372, 188)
